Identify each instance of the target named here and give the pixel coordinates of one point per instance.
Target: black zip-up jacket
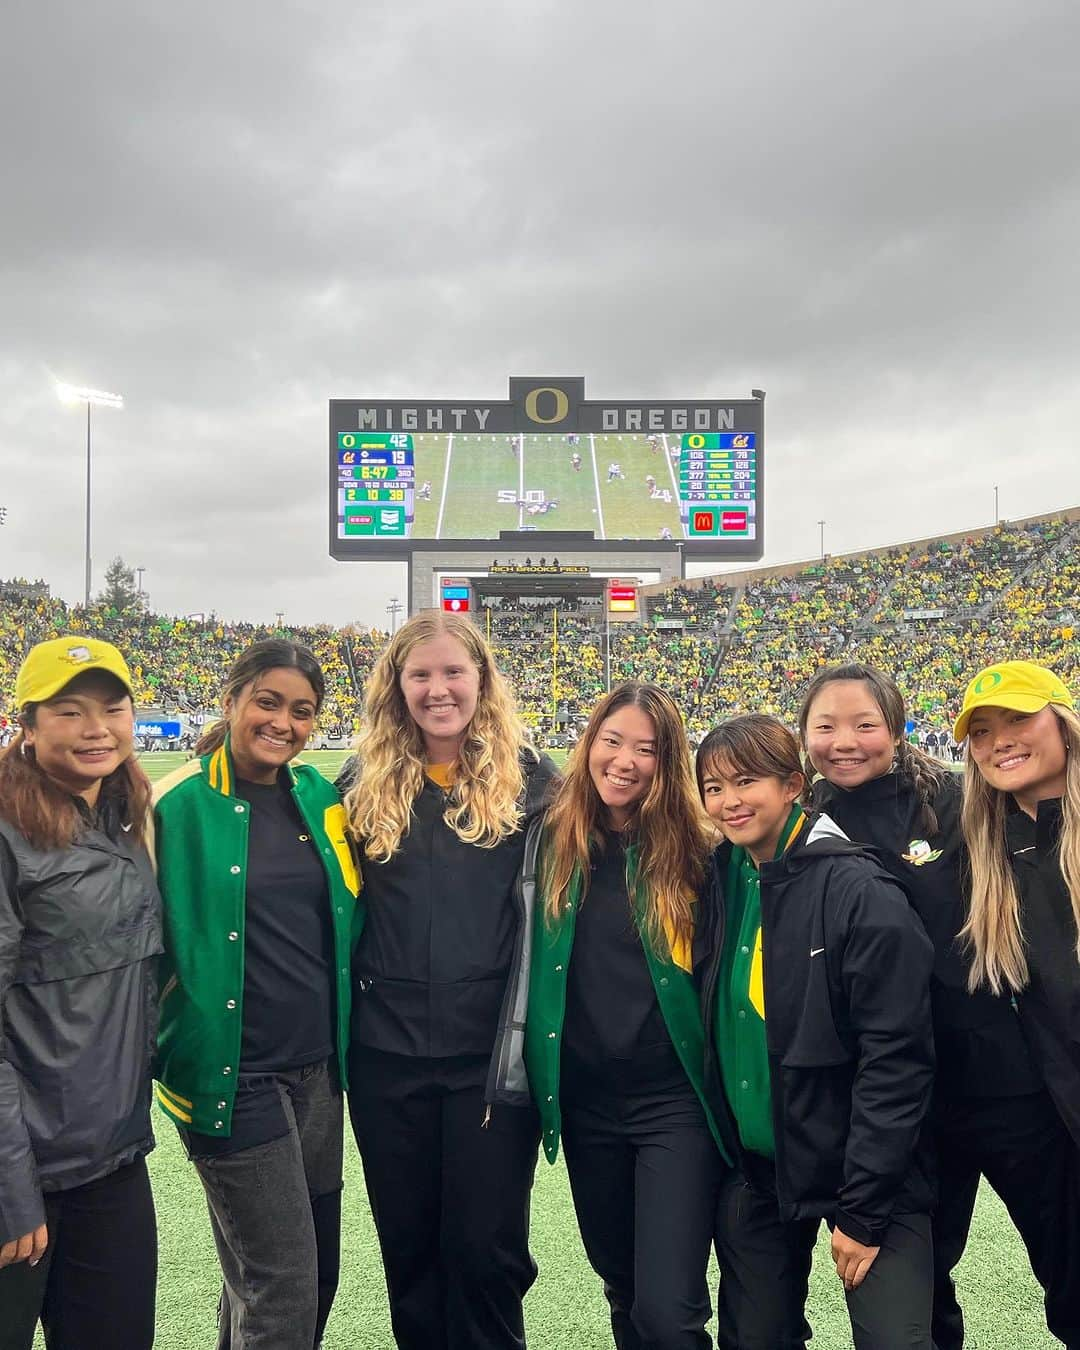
(80, 933)
(846, 968)
(1050, 1005)
(442, 932)
(980, 1046)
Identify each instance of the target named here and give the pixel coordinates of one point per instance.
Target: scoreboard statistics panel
(420, 476)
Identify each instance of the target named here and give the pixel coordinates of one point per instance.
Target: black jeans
(450, 1198)
(765, 1270)
(275, 1211)
(1020, 1145)
(94, 1287)
(644, 1172)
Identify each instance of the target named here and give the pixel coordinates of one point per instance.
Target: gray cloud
(232, 213)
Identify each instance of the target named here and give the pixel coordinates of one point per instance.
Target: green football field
(480, 485)
(565, 1309)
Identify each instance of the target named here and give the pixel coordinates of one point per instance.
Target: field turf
(565, 1309)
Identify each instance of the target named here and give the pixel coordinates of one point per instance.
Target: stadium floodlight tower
(93, 398)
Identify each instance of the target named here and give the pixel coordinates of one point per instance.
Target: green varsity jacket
(675, 993)
(200, 846)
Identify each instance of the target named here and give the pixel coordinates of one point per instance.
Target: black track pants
(450, 1198)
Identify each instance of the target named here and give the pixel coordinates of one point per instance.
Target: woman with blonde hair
(1021, 820)
(614, 1041)
(438, 796)
(992, 1115)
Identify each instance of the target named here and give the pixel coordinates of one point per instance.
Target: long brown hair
(920, 770)
(993, 931)
(44, 812)
(483, 806)
(672, 831)
(260, 657)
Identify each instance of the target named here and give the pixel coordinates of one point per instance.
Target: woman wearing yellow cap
(1021, 820)
(80, 932)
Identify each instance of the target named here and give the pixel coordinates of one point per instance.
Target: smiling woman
(441, 792)
(259, 887)
(80, 934)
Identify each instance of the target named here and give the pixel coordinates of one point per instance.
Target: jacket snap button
(227, 1069)
(551, 1035)
(219, 1124)
(239, 810)
(221, 1106)
(235, 870)
(326, 850)
(233, 937)
(663, 979)
(558, 967)
(745, 951)
(231, 1003)
(551, 1099)
(303, 838)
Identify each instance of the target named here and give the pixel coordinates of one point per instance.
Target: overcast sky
(231, 213)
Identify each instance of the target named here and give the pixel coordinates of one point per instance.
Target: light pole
(139, 571)
(997, 517)
(68, 393)
(821, 527)
(394, 608)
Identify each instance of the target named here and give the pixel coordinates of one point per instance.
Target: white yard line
(596, 481)
(445, 481)
(675, 488)
(521, 478)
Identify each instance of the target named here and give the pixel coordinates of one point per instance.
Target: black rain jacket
(1050, 1004)
(445, 933)
(846, 968)
(980, 1046)
(80, 933)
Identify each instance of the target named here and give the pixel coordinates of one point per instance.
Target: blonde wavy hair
(993, 931)
(673, 833)
(483, 807)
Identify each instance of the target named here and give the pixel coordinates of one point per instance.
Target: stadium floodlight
(99, 398)
(70, 393)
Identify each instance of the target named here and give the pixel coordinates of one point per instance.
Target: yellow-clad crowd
(929, 613)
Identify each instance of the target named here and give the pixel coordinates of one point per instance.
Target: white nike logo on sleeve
(816, 951)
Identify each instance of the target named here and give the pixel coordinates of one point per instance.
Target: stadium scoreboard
(423, 475)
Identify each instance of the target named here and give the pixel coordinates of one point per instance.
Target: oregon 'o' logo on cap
(990, 679)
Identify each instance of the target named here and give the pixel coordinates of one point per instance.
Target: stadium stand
(931, 612)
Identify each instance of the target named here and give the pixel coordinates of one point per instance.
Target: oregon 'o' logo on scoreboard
(547, 404)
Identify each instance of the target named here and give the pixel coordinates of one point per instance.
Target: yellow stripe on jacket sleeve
(169, 1106)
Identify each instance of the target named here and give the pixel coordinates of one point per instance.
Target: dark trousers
(1020, 1145)
(765, 1271)
(94, 1287)
(275, 1211)
(644, 1172)
(450, 1198)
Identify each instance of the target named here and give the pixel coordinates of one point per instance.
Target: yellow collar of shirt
(443, 774)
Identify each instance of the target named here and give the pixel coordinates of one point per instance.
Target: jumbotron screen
(409, 476)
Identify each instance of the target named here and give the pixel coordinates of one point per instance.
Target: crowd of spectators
(931, 615)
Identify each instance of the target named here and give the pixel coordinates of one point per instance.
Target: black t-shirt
(614, 1035)
(288, 1004)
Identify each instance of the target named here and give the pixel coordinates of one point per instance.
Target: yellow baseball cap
(1020, 685)
(51, 666)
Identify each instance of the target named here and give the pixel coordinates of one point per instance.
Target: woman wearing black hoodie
(992, 1114)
